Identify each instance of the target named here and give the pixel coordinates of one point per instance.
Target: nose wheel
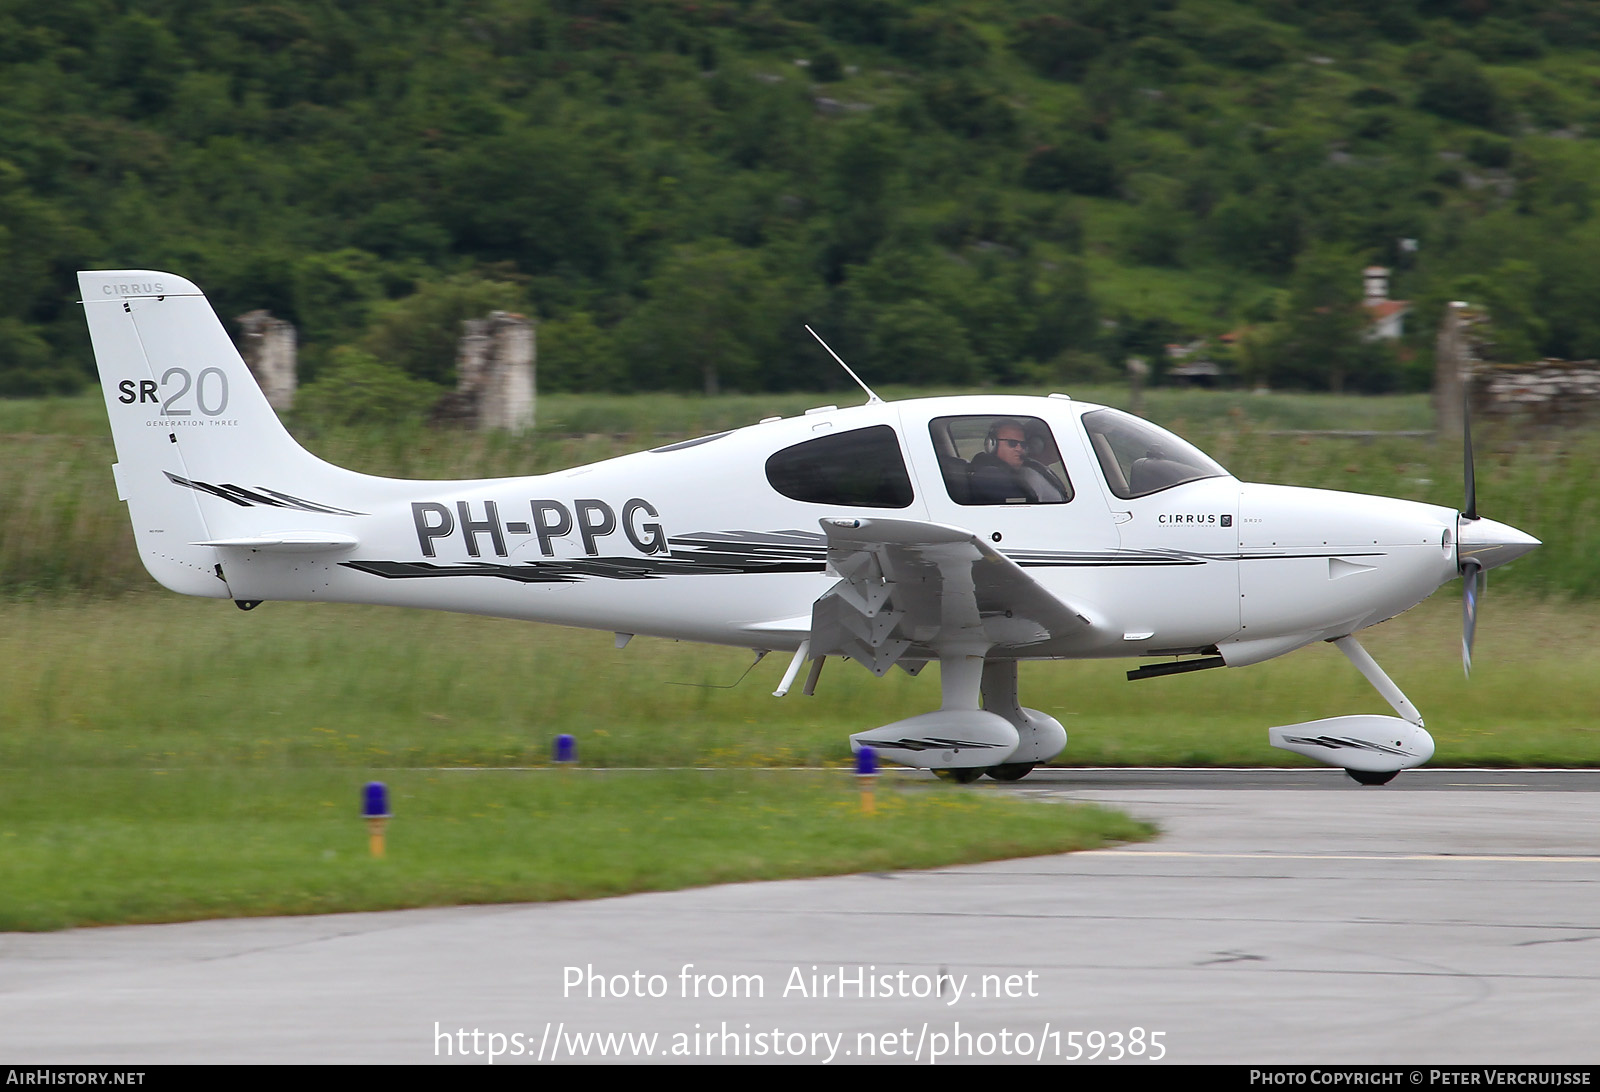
(1370, 777)
(1010, 771)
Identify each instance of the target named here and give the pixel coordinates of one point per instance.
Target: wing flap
(908, 586)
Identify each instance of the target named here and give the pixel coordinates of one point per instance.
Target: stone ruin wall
(1546, 391)
(270, 350)
(494, 368)
(495, 362)
(1542, 392)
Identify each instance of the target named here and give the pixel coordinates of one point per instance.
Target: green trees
(705, 323)
(957, 190)
(357, 388)
(1453, 86)
(418, 333)
(541, 199)
(1322, 339)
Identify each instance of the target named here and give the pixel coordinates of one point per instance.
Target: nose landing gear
(1370, 748)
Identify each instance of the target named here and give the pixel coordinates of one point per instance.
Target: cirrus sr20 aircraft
(973, 531)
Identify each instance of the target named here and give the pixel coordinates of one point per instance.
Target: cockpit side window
(862, 468)
(1139, 459)
(993, 459)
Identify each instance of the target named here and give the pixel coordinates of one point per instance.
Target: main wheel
(1368, 777)
(1010, 771)
(961, 775)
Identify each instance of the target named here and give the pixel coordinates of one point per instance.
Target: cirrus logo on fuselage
(591, 519)
(1192, 519)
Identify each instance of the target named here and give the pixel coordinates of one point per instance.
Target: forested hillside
(954, 192)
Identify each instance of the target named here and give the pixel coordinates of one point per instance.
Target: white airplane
(975, 531)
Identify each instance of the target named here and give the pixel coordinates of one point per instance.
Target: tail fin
(194, 434)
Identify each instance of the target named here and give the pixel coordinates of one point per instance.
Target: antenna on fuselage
(871, 398)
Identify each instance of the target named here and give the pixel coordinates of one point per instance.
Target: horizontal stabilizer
(288, 542)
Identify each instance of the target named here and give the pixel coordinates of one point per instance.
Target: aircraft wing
(910, 590)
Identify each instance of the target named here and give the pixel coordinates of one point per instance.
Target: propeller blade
(1471, 572)
(1467, 473)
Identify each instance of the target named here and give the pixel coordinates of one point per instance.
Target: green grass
(82, 415)
(164, 758)
(162, 681)
(92, 847)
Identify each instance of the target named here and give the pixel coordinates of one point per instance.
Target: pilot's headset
(991, 442)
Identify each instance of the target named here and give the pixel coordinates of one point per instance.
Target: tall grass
(63, 530)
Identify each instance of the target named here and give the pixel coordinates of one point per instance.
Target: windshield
(1139, 459)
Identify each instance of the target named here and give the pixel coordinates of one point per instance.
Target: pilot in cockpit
(1005, 471)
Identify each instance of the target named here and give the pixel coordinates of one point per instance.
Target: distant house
(1385, 317)
(1192, 364)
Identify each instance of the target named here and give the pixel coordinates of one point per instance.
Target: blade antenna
(871, 397)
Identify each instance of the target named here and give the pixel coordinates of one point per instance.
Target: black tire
(961, 775)
(1010, 771)
(1367, 777)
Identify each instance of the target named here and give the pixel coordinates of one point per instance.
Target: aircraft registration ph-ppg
(972, 531)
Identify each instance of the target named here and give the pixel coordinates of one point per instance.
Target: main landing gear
(961, 741)
(966, 775)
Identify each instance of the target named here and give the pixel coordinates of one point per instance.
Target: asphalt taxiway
(1283, 916)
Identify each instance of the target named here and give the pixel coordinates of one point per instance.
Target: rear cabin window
(858, 469)
(999, 460)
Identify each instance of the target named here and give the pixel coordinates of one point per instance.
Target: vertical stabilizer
(193, 432)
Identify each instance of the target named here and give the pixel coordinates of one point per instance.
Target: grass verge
(94, 847)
